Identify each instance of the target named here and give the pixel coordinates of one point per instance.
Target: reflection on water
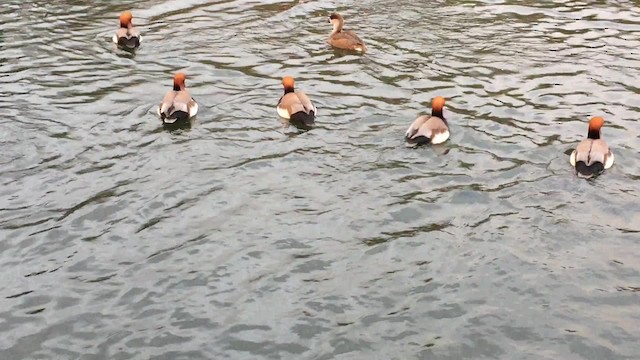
(241, 238)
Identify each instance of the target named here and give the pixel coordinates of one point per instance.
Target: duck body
(296, 106)
(344, 39)
(592, 155)
(177, 105)
(433, 129)
(127, 36)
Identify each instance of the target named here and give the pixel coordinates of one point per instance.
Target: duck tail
(131, 43)
(176, 116)
(417, 141)
(586, 171)
(301, 118)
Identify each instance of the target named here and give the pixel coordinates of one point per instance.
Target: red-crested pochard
(592, 156)
(127, 35)
(426, 129)
(295, 105)
(177, 105)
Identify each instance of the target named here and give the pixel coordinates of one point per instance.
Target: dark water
(241, 239)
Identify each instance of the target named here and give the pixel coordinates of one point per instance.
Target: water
(240, 238)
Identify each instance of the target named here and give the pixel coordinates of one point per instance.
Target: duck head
(287, 83)
(125, 19)
(178, 81)
(337, 21)
(595, 124)
(437, 105)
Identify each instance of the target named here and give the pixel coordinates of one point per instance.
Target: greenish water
(242, 239)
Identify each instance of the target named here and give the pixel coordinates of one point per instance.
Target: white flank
(194, 109)
(283, 112)
(572, 158)
(440, 138)
(609, 162)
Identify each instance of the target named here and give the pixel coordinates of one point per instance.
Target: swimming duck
(344, 39)
(177, 105)
(592, 156)
(295, 105)
(127, 36)
(432, 129)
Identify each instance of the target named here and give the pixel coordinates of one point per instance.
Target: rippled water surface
(241, 238)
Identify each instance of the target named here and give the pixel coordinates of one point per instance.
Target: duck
(177, 105)
(344, 39)
(592, 156)
(127, 35)
(295, 106)
(426, 129)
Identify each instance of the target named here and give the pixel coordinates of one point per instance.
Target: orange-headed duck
(344, 39)
(127, 35)
(177, 105)
(592, 156)
(295, 105)
(432, 129)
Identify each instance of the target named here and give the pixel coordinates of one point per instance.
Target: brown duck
(344, 39)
